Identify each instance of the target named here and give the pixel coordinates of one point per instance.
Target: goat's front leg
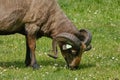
(30, 52)
(28, 57)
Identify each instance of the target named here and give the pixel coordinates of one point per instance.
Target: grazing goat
(37, 18)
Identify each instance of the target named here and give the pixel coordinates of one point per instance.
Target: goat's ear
(85, 37)
(83, 33)
(88, 48)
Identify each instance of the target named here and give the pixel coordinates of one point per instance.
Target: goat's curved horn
(86, 37)
(69, 39)
(54, 47)
(66, 38)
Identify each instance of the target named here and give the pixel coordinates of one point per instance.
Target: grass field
(101, 17)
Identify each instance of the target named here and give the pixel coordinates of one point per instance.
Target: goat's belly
(10, 29)
(11, 22)
(5, 30)
(10, 25)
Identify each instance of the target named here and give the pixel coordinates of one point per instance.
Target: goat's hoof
(27, 63)
(36, 66)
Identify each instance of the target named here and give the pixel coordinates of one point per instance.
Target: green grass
(101, 17)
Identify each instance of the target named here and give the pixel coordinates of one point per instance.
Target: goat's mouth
(74, 63)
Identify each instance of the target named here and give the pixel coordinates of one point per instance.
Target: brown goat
(37, 18)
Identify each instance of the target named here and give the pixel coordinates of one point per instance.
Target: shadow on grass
(52, 63)
(63, 63)
(12, 64)
(83, 66)
(1, 42)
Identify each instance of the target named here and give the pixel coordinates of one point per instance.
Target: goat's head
(72, 46)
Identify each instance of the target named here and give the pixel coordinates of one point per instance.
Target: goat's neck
(62, 24)
(57, 22)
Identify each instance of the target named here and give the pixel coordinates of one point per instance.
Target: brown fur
(45, 14)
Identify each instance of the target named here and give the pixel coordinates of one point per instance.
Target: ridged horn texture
(69, 39)
(87, 38)
(65, 38)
